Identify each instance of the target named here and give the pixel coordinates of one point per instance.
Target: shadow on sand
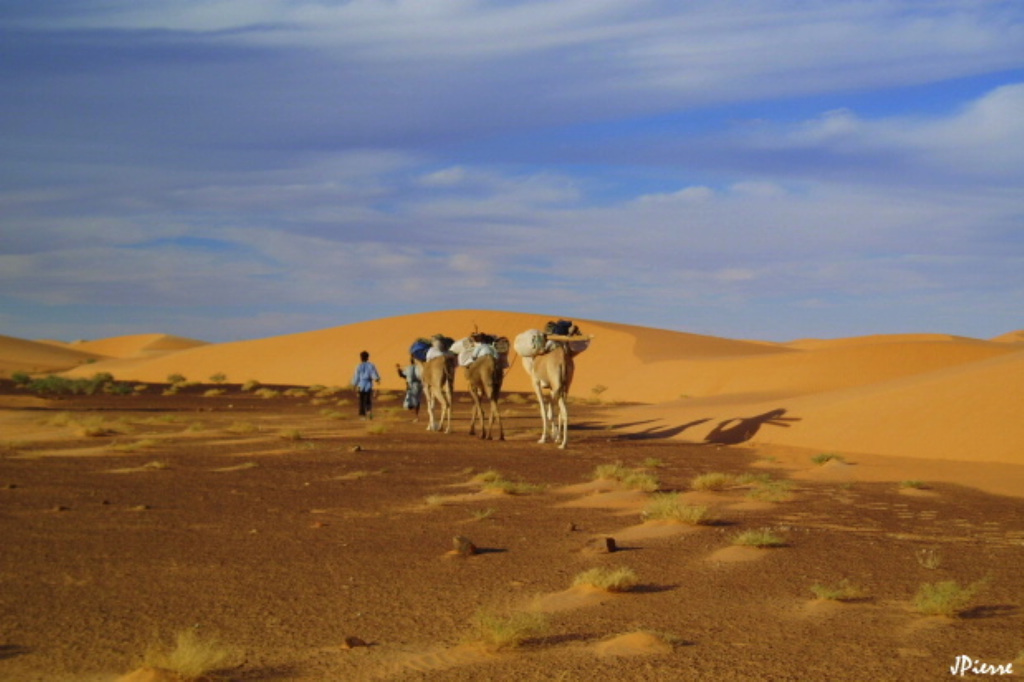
(742, 429)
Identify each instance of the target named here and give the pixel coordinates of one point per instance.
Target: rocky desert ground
(297, 542)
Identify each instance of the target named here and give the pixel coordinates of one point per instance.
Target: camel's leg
(431, 397)
(446, 414)
(477, 409)
(563, 420)
(543, 413)
(495, 413)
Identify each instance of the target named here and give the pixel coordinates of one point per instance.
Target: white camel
(485, 375)
(438, 385)
(553, 371)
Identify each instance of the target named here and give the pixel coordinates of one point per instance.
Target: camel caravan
(547, 357)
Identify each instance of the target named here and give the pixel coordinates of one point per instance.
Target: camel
(438, 385)
(553, 370)
(484, 376)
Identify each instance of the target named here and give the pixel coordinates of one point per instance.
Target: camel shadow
(662, 432)
(741, 429)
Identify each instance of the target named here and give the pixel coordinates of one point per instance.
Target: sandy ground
(283, 526)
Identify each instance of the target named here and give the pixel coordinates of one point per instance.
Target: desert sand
(285, 525)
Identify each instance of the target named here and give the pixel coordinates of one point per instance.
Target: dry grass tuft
(826, 457)
(713, 481)
(667, 507)
(844, 590)
(760, 538)
(634, 479)
(946, 598)
(504, 631)
(192, 657)
(492, 480)
(143, 444)
(621, 579)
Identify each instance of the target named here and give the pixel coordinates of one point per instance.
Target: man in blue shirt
(366, 375)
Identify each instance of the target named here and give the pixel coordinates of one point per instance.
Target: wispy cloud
(724, 165)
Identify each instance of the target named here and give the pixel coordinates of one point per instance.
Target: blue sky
(771, 169)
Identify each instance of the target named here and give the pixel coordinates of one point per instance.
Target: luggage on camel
(419, 349)
(530, 343)
(477, 344)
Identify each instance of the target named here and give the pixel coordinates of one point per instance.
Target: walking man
(365, 377)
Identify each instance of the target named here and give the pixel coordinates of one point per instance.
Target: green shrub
(946, 598)
(502, 631)
(713, 481)
(759, 538)
(844, 590)
(667, 507)
(610, 580)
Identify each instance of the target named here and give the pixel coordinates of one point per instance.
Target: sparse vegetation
(483, 514)
(250, 385)
(219, 378)
(175, 379)
(492, 480)
(241, 427)
(267, 393)
(635, 479)
(135, 446)
(844, 590)
(214, 392)
(377, 428)
(764, 488)
(928, 557)
(192, 657)
(667, 507)
(502, 631)
(946, 598)
(760, 538)
(653, 463)
(913, 484)
(713, 481)
(826, 457)
(621, 579)
(290, 434)
(53, 385)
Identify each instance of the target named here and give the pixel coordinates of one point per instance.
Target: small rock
(605, 545)
(571, 527)
(61, 508)
(353, 642)
(463, 546)
(356, 448)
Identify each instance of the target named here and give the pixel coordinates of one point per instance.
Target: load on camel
(437, 367)
(548, 359)
(484, 358)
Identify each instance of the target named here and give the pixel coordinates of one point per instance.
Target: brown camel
(438, 385)
(484, 376)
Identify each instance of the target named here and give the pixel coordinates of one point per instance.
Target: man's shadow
(741, 429)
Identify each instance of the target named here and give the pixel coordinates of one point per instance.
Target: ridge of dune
(872, 339)
(1010, 337)
(964, 412)
(329, 356)
(137, 344)
(21, 355)
(793, 373)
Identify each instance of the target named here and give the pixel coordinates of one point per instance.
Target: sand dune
(912, 395)
(19, 355)
(138, 345)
